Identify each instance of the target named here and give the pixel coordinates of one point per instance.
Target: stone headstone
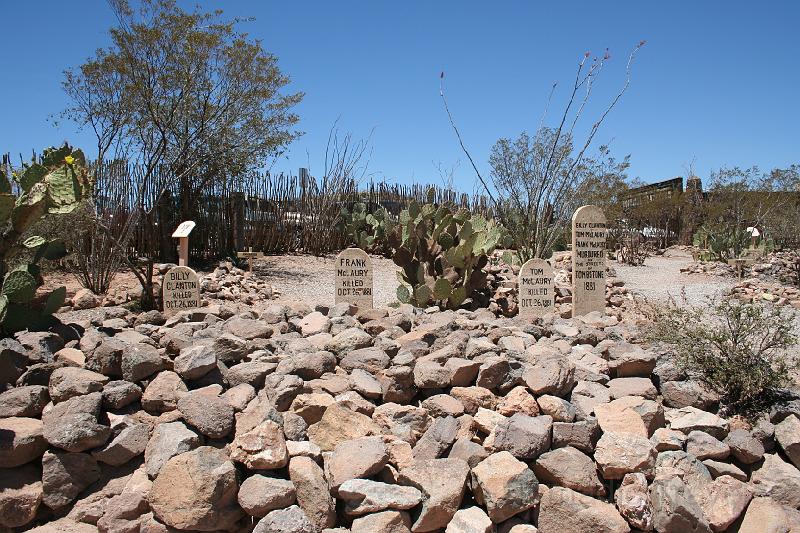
(588, 260)
(180, 290)
(535, 288)
(354, 278)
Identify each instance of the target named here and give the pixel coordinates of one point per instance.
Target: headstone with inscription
(535, 288)
(180, 290)
(588, 260)
(354, 278)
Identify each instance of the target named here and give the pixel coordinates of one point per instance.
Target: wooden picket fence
(270, 213)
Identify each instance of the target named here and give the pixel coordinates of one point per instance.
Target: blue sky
(717, 82)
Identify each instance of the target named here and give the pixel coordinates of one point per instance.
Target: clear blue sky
(717, 82)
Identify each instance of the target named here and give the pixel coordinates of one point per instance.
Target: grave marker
(588, 260)
(354, 278)
(182, 234)
(250, 255)
(535, 289)
(180, 290)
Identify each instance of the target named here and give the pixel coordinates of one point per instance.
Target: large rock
(197, 490)
(630, 360)
(526, 437)
(195, 362)
(504, 485)
(339, 424)
(129, 440)
(357, 458)
(384, 522)
(442, 483)
(21, 441)
(551, 375)
(140, 361)
(348, 340)
(571, 468)
(211, 415)
(618, 454)
(65, 475)
(261, 448)
(312, 491)
(724, 501)
(437, 439)
(363, 496)
(259, 494)
(289, 520)
(676, 508)
(620, 387)
(23, 401)
(777, 479)
(565, 511)
(704, 446)
(163, 392)
(405, 421)
(20, 495)
(168, 440)
(765, 515)
(688, 419)
(630, 414)
(633, 501)
(72, 424)
(68, 381)
(308, 365)
(247, 328)
(787, 433)
(120, 393)
(744, 446)
(470, 520)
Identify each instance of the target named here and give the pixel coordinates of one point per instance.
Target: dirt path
(310, 279)
(660, 278)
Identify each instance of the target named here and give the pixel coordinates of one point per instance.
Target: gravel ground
(660, 278)
(310, 279)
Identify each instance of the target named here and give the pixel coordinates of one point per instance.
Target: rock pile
(754, 290)
(226, 283)
(300, 420)
(710, 268)
(777, 266)
(230, 283)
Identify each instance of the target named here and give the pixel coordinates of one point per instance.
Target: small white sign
(184, 229)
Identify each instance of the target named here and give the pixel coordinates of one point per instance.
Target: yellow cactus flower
(69, 159)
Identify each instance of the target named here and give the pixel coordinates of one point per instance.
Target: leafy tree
(189, 98)
(182, 92)
(739, 198)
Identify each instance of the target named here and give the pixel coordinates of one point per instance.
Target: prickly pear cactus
(368, 231)
(442, 254)
(55, 185)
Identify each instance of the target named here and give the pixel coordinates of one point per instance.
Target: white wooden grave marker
(182, 234)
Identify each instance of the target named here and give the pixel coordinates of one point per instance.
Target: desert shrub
(740, 350)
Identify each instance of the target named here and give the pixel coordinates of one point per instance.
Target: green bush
(442, 254)
(738, 349)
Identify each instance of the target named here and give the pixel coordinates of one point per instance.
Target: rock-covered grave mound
(292, 419)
